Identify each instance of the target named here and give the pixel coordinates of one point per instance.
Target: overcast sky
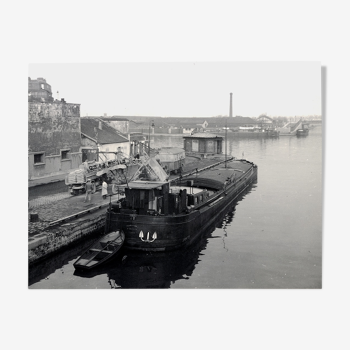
(187, 89)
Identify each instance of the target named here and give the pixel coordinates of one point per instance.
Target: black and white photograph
(175, 174)
(159, 175)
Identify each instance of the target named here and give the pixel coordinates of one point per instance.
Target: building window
(42, 86)
(65, 154)
(38, 158)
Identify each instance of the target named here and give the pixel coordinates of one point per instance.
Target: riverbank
(57, 221)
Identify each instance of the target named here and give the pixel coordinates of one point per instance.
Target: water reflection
(160, 270)
(41, 270)
(131, 269)
(151, 270)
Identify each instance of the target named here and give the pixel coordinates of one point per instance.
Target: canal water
(270, 238)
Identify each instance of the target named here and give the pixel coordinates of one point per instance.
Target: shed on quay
(203, 144)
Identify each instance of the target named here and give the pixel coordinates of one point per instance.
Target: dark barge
(164, 216)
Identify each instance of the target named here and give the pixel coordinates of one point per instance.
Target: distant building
(203, 144)
(187, 130)
(53, 133)
(39, 91)
(202, 126)
(118, 123)
(97, 135)
(138, 142)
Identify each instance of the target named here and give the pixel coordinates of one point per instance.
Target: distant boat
(302, 132)
(272, 133)
(101, 251)
(290, 129)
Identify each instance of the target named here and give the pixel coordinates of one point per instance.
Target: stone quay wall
(54, 239)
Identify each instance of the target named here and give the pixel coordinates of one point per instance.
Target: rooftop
(203, 135)
(114, 118)
(90, 127)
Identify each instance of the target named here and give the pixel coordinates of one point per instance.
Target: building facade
(98, 138)
(118, 123)
(39, 90)
(53, 135)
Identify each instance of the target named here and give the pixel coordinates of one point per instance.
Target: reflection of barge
(134, 269)
(156, 216)
(149, 270)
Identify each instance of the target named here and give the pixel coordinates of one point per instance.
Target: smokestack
(58, 96)
(230, 104)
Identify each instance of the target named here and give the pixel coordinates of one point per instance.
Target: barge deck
(64, 222)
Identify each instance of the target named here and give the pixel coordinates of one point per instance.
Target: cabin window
(160, 204)
(64, 154)
(142, 199)
(38, 158)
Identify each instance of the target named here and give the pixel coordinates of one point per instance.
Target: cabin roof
(202, 135)
(145, 185)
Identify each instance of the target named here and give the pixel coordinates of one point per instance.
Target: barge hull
(164, 233)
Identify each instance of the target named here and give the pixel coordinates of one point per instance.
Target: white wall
(113, 147)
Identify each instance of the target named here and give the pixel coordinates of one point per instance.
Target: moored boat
(100, 251)
(273, 133)
(163, 215)
(302, 132)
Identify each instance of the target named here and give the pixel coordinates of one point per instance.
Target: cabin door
(210, 146)
(194, 145)
(219, 147)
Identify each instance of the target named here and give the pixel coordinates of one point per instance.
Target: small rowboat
(101, 251)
